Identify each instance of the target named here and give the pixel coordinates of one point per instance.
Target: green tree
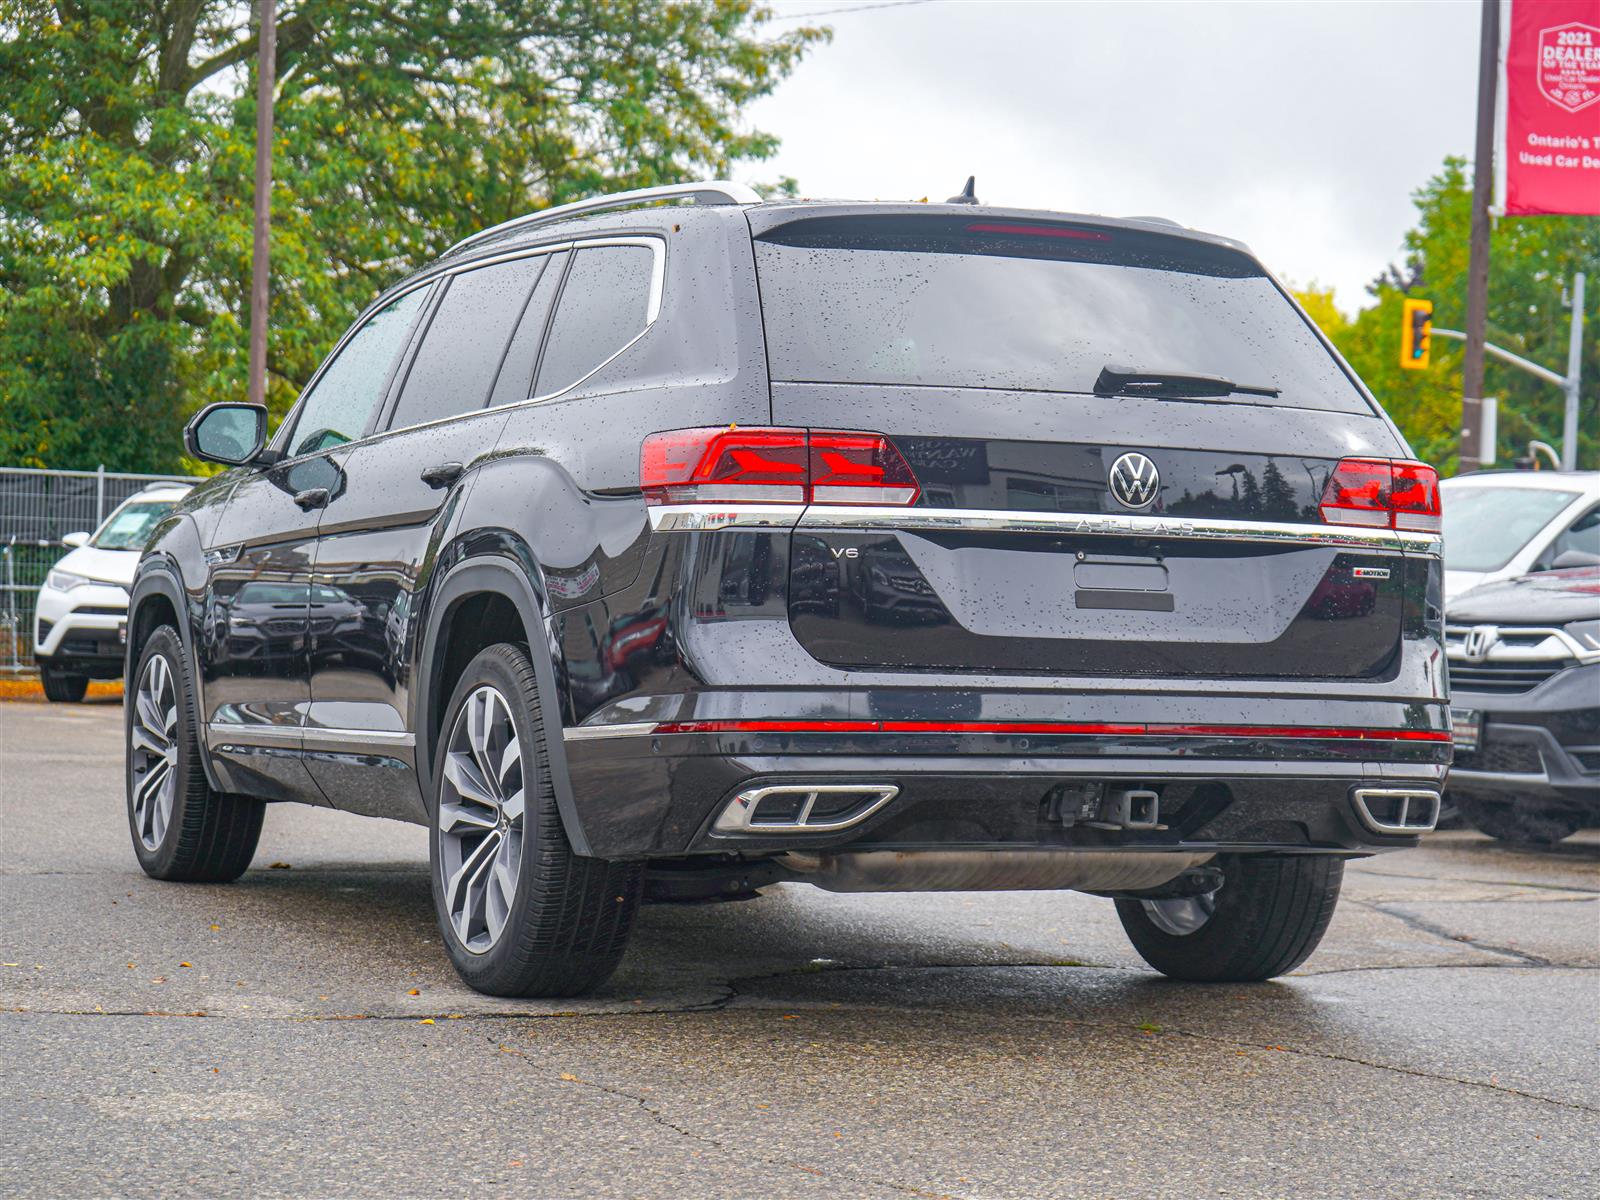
(126, 186)
(1532, 260)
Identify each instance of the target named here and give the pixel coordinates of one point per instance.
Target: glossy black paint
(333, 693)
(1003, 602)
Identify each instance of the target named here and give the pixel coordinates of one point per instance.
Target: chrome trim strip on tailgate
(691, 517)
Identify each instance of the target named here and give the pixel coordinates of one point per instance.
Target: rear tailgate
(1224, 575)
(1018, 555)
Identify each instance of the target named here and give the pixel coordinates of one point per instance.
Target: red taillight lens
(689, 466)
(1358, 493)
(859, 468)
(1382, 493)
(1415, 497)
(773, 466)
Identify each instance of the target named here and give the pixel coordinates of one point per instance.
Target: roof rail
(710, 191)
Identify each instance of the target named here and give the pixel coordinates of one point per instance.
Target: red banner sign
(1550, 151)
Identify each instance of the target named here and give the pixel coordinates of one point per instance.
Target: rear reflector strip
(1047, 728)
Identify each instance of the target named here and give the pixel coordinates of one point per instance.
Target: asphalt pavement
(300, 1032)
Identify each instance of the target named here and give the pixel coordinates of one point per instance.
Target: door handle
(443, 475)
(312, 498)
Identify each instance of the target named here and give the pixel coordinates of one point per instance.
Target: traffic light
(1416, 332)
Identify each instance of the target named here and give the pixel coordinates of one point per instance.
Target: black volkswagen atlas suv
(676, 544)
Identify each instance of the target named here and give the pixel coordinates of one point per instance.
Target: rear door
(1121, 438)
(477, 352)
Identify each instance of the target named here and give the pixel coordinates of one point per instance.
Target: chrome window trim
(694, 517)
(658, 280)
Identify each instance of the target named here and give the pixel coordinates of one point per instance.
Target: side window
(515, 382)
(349, 389)
(604, 305)
(1582, 536)
(466, 339)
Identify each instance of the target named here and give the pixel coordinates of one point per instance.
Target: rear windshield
(1032, 306)
(1484, 527)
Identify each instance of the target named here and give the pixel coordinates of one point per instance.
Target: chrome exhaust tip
(1397, 812)
(803, 807)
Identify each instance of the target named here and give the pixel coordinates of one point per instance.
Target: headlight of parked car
(64, 581)
(1587, 634)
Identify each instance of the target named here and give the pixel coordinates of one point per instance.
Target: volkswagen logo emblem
(1479, 641)
(1135, 481)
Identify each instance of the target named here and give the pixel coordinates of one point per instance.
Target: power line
(831, 12)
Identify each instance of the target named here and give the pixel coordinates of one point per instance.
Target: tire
(564, 925)
(1519, 820)
(63, 687)
(1265, 920)
(182, 829)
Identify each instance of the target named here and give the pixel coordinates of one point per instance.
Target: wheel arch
(477, 603)
(158, 598)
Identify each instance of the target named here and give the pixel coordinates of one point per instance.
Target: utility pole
(1478, 262)
(266, 71)
(1569, 423)
(1571, 384)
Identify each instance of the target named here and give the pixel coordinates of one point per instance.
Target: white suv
(80, 625)
(1502, 524)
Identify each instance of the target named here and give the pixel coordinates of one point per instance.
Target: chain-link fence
(37, 509)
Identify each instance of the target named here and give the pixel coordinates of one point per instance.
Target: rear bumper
(992, 790)
(731, 697)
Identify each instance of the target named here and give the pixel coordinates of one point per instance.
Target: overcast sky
(1301, 129)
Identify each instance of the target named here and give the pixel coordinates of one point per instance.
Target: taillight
(687, 466)
(1383, 493)
(773, 466)
(1415, 497)
(859, 468)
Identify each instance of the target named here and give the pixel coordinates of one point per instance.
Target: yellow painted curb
(29, 690)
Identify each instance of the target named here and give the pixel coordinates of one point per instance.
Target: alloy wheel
(154, 734)
(1181, 915)
(480, 820)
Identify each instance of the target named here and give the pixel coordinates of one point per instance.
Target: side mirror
(1575, 558)
(228, 432)
(75, 539)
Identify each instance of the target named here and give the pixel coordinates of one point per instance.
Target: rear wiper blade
(1136, 381)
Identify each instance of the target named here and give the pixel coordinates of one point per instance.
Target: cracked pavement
(262, 1038)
